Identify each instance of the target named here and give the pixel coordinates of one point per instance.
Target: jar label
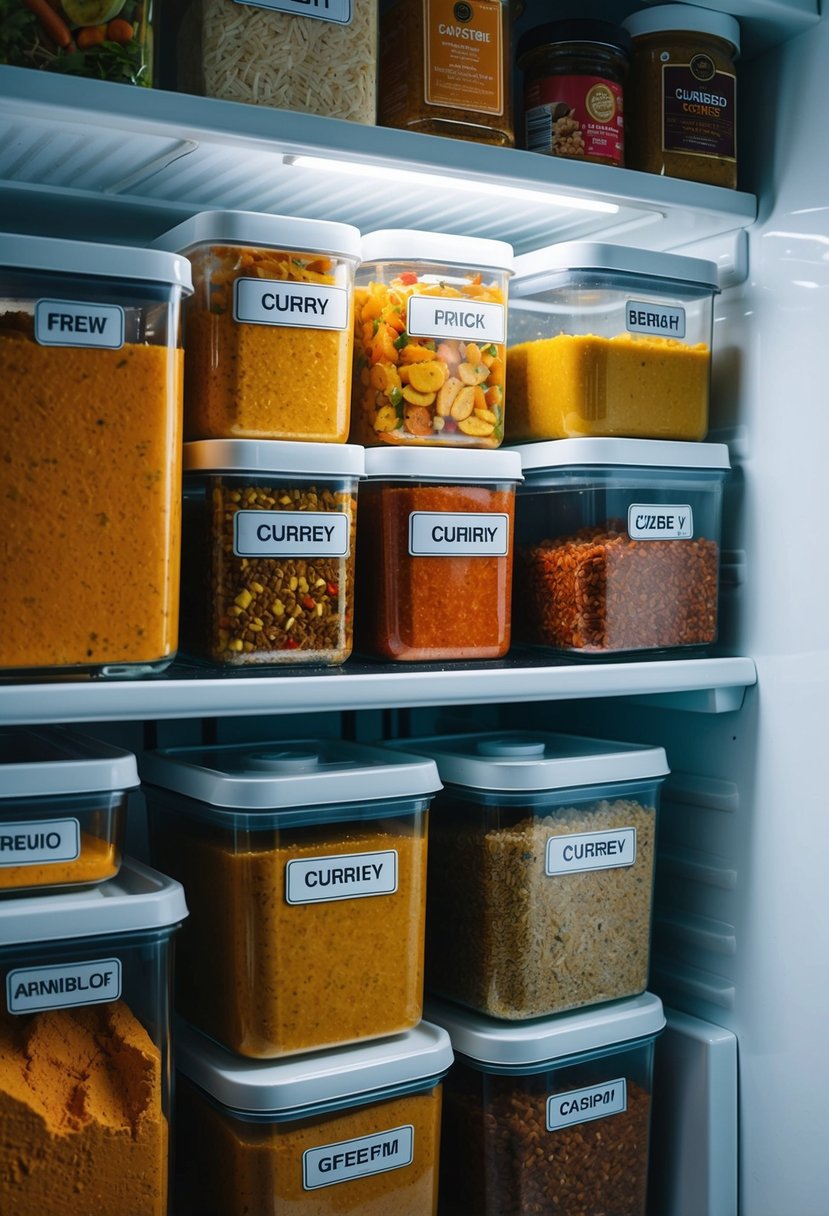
(33, 989)
(590, 851)
(347, 1159)
(468, 320)
(275, 302)
(698, 109)
(660, 521)
(40, 842)
(76, 323)
(582, 1105)
(463, 62)
(291, 534)
(317, 880)
(575, 116)
(461, 534)
(642, 317)
(338, 11)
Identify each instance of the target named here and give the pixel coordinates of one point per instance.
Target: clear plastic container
(305, 870)
(269, 330)
(90, 363)
(541, 859)
(85, 1045)
(435, 554)
(349, 1132)
(550, 1117)
(102, 39)
(268, 559)
(63, 801)
(606, 340)
(618, 545)
(430, 332)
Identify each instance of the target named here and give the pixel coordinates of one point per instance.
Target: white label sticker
(290, 534)
(469, 320)
(37, 988)
(304, 305)
(39, 842)
(73, 323)
(660, 521)
(590, 851)
(338, 11)
(644, 318)
(347, 1159)
(316, 880)
(465, 534)
(582, 1105)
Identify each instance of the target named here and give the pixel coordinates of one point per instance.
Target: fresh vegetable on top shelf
(104, 39)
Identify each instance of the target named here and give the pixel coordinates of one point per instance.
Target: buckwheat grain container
(269, 545)
(85, 981)
(305, 870)
(337, 1133)
(618, 546)
(553, 1116)
(541, 859)
(606, 340)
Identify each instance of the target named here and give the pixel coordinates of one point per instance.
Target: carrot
(90, 35)
(53, 25)
(119, 30)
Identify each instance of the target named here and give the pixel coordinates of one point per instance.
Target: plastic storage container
(340, 1133)
(91, 370)
(541, 859)
(102, 39)
(269, 551)
(610, 341)
(430, 323)
(551, 1117)
(435, 554)
(63, 802)
(305, 870)
(269, 328)
(85, 1047)
(618, 545)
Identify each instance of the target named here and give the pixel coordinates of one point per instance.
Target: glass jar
(104, 39)
(573, 95)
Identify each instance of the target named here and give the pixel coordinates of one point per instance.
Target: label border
(616, 865)
(43, 861)
(294, 553)
(472, 337)
(355, 1140)
(289, 12)
(83, 345)
(655, 506)
(332, 899)
(473, 514)
(664, 308)
(589, 1118)
(282, 323)
(103, 1000)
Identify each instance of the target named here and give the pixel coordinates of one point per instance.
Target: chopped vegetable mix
(105, 39)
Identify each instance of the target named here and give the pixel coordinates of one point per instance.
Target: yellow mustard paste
(98, 860)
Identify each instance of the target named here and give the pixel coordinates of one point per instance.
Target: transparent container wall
(85, 1087)
(540, 903)
(306, 928)
(101, 39)
(517, 1142)
(246, 598)
(231, 1165)
(598, 353)
(415, 380)
(588, 578)
(92, 474)
(443, 605)
(57, 842)
(254, 371)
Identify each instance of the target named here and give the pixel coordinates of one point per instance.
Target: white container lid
(273, 456)
(317, 1078)
(282, 775)
(52, 761)
(262, 231)
(543, 1040)
(682, 17)
(445, 465)
(516, 760)
(410, 245)
(628, 453)
(85, 260)
(139, 898)
(534, 269)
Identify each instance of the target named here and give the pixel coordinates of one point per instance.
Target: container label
(316, 880)
(698, 106)
(575, 116)
(582, 1105)
(468, 320)
(591, 851)
(36, 988)
(347, 1159)
(291, 534)
(461, 534)
(75, 323)
(463, 61)
(338, 11)
(660, 521)
(40, 842)
(646, 318)
(301, 305)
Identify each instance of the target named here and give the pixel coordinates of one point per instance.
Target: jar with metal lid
(574, 72)
(683, 94)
